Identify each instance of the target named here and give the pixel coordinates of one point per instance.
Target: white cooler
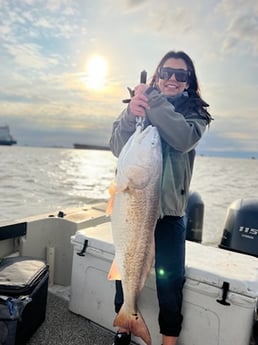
(212, 316)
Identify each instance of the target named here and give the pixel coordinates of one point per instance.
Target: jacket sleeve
(123, 128)
(181, 132)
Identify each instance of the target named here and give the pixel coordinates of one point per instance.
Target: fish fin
(114, 272)
(112, 191)
(139, 329)
(134, 323)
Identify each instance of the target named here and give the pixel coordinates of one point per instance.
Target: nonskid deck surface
(62, 327)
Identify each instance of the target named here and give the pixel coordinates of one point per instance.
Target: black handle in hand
(143, 77)
(143, 80)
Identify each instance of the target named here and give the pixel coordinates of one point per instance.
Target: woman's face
(171, 86)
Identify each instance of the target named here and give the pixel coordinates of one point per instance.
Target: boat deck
(62, 327)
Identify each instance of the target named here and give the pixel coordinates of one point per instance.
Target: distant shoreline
(253, 155)
(90, 147)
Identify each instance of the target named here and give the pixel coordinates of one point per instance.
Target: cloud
(29, 56)
(55, 5)
(167, 21)
(242, 29)
(126, 6)
(44, 45)
(50, 19)
(32, 37)
(167, 17)
(231, 132)
(241, 25)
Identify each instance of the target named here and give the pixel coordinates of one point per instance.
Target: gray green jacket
(181, 122)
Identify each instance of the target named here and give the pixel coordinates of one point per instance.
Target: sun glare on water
(96, 70)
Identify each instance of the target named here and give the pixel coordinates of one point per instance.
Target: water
(41, 180)
(38, 180)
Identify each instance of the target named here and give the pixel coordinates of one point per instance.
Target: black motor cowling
(241, 227)
(194, 217)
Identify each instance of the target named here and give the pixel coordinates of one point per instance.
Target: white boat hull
(87, 232)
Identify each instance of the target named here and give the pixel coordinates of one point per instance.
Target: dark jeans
(170, 274)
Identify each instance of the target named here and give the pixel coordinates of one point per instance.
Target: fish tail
(122, 319)
(139, 328)
(134, 323)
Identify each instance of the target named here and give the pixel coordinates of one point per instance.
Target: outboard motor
(194, 217)
(255, 332)
(241, 227)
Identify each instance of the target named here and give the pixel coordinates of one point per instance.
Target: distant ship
(6, 137)
(90, 147)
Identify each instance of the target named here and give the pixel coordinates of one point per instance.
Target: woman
(173, 104)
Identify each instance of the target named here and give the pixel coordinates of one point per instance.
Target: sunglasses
(166, 73)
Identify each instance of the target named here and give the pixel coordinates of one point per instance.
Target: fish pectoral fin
(112, 192)
(114, 189)
(114, 272)
(109, 207)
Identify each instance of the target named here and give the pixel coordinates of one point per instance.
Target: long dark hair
(193, 90)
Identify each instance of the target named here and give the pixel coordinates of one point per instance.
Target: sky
(47, 95)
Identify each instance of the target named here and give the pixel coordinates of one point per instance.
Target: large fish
(135, 210)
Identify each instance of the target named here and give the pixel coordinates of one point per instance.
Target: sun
(96, 71)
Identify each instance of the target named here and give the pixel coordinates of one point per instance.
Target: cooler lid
(214, 266)
(19, 274)
(99, 237)
(205, 264)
